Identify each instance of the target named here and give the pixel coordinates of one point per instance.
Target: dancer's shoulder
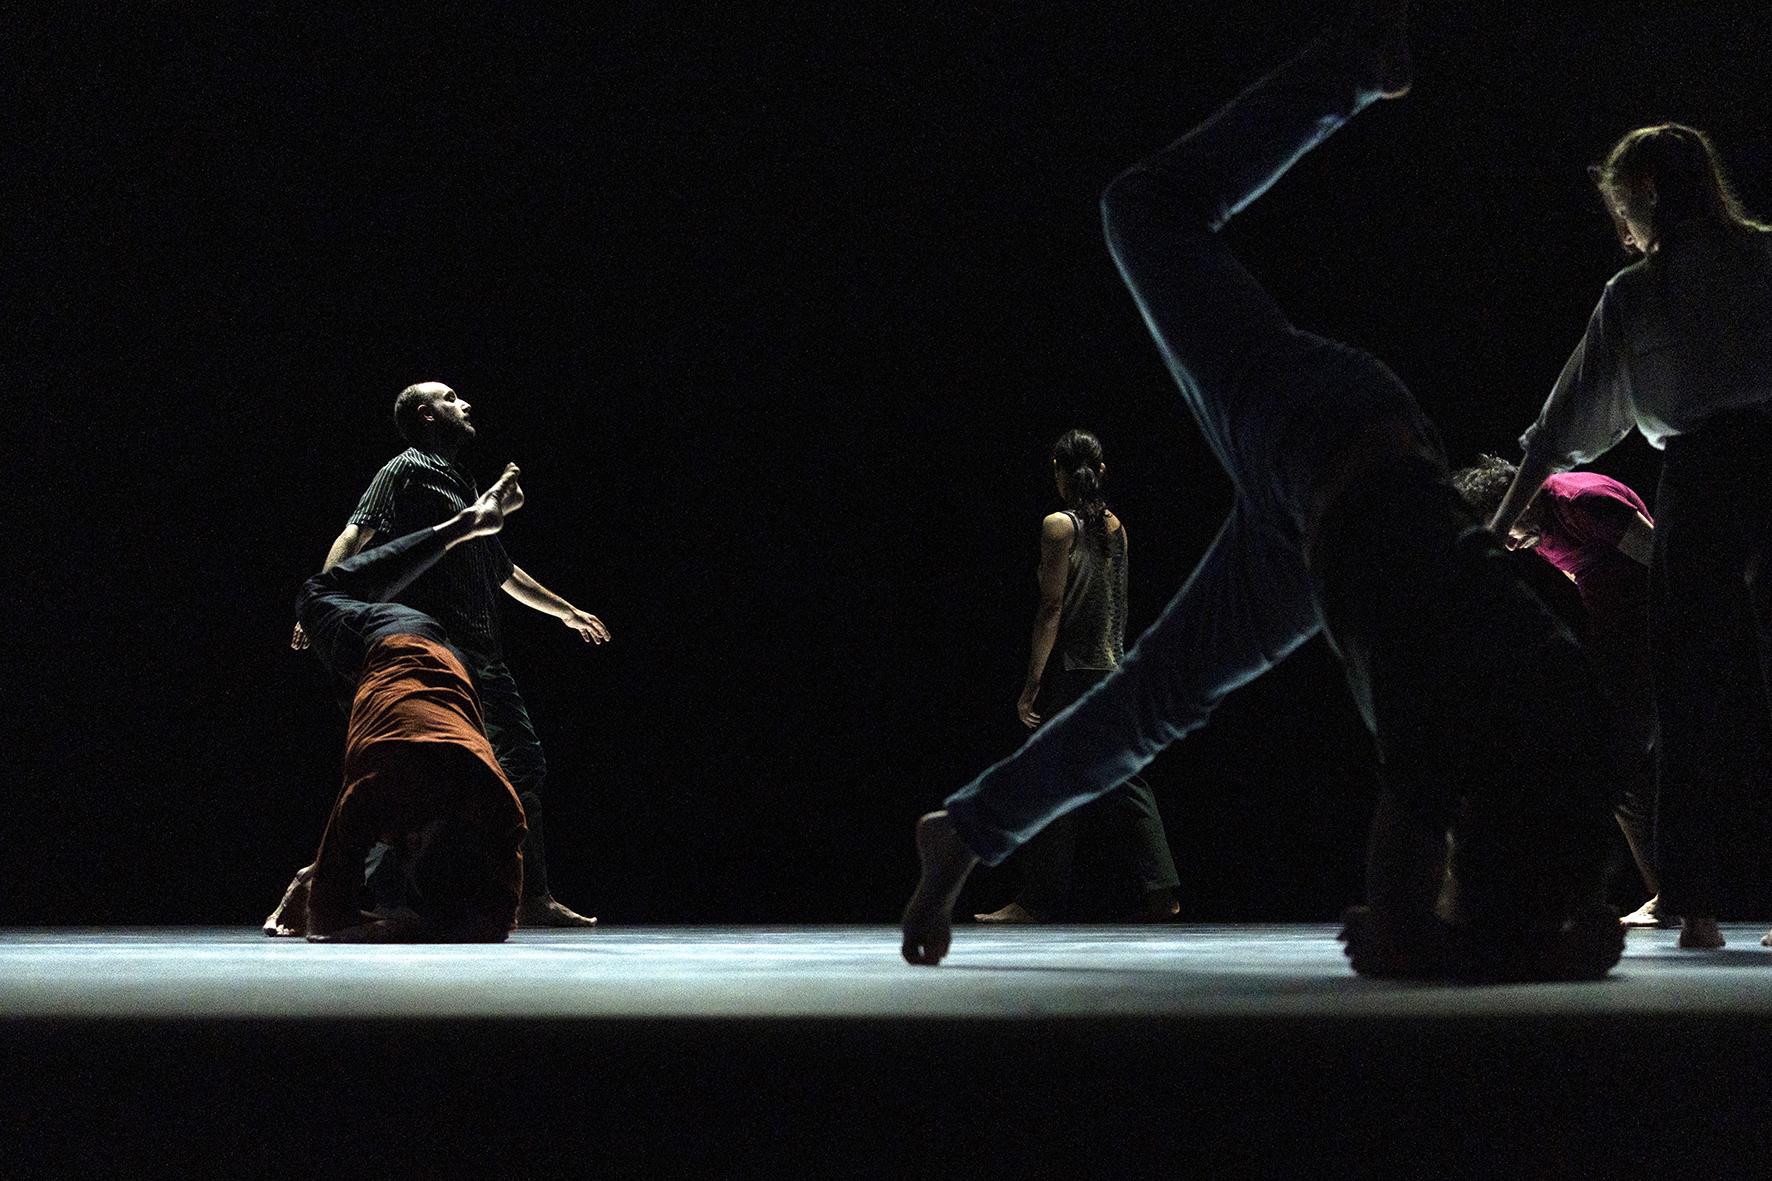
(1059, 527)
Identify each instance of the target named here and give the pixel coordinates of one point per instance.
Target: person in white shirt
(1680, 348)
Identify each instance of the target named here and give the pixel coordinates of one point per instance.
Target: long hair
(1078, 455)
(1688, 178)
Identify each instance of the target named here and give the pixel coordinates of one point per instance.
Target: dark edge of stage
(519, 1097)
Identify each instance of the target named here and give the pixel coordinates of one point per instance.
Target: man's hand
(1024, 708)
(589, 628)
(298, 640)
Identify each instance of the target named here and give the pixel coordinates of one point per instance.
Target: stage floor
(840, 973)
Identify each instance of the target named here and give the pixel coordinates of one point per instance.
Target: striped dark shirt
(415, 490)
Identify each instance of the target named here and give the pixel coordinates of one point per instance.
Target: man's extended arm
(350, 542)
(1056, 535)
(521, 587)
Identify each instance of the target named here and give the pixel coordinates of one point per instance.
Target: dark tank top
(1092, 626)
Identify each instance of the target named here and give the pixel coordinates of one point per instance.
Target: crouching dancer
(1343, 520)
(419, 773)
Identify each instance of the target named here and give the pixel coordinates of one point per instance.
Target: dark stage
(1233, 1050)
(780, 311)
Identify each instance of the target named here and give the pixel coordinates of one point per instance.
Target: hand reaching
(589, 628)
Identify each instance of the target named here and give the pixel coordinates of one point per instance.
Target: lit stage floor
(828, 973)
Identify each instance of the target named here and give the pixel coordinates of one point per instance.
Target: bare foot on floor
(291, 916)
(546, 912)
(1700, 933)
(1015, 912)
(928, 922)
(1649, 915)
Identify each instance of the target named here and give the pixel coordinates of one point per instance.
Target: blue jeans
(1279, 408)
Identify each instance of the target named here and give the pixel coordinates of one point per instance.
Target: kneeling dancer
(419, 773)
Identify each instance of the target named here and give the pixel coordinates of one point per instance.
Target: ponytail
(1078, 455)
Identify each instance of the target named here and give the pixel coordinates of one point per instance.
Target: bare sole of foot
(1015, 912)
(291, 916)
(1649, 915)
(928, 923)
(487, 515)
(1700, 934)
(545, 912)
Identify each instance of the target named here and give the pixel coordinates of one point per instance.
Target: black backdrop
(780, 313)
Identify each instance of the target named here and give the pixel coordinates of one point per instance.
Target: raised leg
(344, 609)
(1247, 375)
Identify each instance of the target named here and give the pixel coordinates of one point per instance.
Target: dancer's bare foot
(1649, 915)
(1381, 27)
(1015, 912)
(291, 915)
(928, 922)
(1700, 933)
(487, 515)
(545, 912)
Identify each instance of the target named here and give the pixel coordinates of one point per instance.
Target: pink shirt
(1585, 514)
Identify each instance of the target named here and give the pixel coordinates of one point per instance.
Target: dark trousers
(1493, 735)
(1126, 817)
(1457, 668)
(1621, 657)
(1712, 567)
(519, 752)
(345, 610)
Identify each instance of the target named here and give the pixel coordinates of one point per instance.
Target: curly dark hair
(1485, 483)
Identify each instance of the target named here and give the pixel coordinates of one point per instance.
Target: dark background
(780, 313)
